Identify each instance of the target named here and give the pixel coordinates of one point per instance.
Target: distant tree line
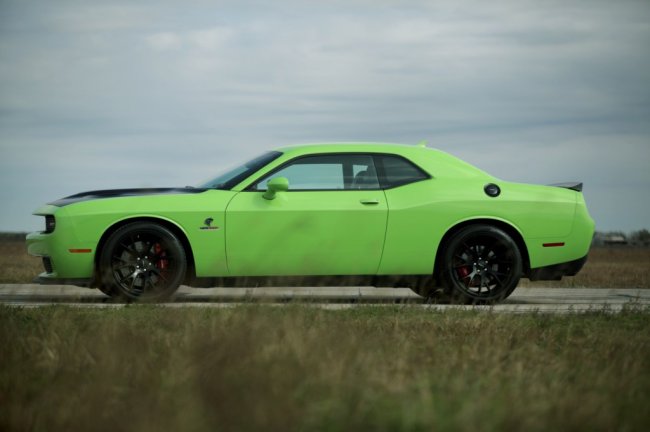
(619, 238)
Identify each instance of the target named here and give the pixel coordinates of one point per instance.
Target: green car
(372, 214)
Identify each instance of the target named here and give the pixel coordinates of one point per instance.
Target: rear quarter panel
(421, 213)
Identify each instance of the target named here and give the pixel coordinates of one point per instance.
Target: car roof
(435, 162)
(376, 147)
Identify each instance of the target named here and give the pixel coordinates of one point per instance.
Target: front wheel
(142, 261)
(480, 264)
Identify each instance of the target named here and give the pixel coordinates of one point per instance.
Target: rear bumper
(556, 271)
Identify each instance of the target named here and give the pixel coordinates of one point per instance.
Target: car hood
(115, 193)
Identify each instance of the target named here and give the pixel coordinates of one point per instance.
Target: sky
(103, 95)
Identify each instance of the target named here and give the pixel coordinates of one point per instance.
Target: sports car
(357, 213)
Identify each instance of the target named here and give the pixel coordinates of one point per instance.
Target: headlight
(50, 223)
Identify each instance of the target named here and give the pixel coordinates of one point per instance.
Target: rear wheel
(142, 261)
(480, 264)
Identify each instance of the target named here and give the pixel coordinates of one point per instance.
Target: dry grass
(15, 265)
(145, 368)
(256, 367)
(606, 267)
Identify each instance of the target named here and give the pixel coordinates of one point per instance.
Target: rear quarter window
(397, 171)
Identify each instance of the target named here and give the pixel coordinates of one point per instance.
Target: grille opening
(50, 223)
(47, 264)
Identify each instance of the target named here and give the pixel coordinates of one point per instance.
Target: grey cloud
(528, 90)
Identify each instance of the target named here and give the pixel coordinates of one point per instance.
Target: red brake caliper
(162, 261)
(463, 272)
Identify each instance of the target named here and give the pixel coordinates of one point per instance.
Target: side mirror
(275, 185)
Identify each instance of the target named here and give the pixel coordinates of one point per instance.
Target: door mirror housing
(275, 185)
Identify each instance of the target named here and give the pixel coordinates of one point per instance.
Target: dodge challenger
(362, 213)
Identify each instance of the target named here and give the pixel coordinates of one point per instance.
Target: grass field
(606, 267)
(259, 367)
(256, 367)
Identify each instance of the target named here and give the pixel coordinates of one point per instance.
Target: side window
(327, 172)
(398, 171)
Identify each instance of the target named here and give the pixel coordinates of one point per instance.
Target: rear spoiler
(576, 186)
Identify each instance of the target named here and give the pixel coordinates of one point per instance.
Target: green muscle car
(374, 214)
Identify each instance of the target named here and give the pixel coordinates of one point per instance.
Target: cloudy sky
(97, 95)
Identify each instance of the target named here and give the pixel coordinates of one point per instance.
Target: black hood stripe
(115, 193)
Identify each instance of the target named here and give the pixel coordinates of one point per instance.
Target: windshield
(231, 178)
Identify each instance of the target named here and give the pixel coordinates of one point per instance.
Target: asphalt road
(552, 300)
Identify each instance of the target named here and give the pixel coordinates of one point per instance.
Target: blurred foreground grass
(256, 367)
(606, 268)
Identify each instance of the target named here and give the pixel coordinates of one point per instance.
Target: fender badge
(208, 225)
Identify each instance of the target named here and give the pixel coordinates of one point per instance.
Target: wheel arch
(172, 226)
(507, 227)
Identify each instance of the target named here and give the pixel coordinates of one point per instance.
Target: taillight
(50, 223)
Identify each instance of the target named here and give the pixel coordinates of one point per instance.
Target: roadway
(551, 300)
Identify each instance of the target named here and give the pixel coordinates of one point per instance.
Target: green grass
(146, 368)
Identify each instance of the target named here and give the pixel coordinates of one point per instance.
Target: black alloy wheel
(481, 264)
(142, 261)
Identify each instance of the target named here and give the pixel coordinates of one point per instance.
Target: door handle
(369, 201)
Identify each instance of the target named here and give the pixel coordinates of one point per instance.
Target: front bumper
(556, 271)
(61, 259)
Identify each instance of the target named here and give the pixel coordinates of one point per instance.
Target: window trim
(379, 167)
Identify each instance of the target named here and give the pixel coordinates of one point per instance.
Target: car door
(330, 221)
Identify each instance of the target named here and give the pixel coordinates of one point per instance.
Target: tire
(142, 261)
(480, 264)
